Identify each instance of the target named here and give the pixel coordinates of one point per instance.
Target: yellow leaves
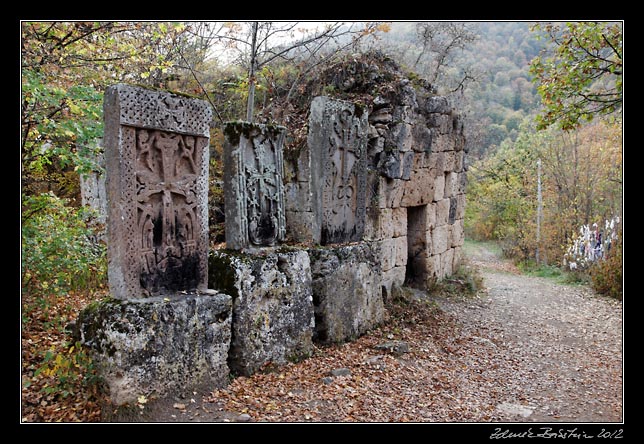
(383, 27)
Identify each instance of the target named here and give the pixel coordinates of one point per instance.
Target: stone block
(448, 161)
(402, 135)
(401, 251)
(398, 222)
(159, 346)
(453, 204)
(392, 278)
(440, 239)
(386, 253)
(439, 187)
(407, 165)
(437, 162)
(347, 292)
(422, 138)
(458, 258)
(442, 212)
(458, 233)
(442, 142)
(460, 206)
(431, 215)
(419, 190)
(459, 161)
(462, 182)
(390, 192)
(447, 263)
(437, 104)
(433, 267)
(272, 306)
(378, 224)
(442, 122)
(451, 184)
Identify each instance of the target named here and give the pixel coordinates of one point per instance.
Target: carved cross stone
(156, 147)
(339, 141)
(253, 188)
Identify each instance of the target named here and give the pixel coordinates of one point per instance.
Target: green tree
(65, 68)
(579, 75)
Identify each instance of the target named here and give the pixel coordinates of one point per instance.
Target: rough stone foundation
(346, 292)
(272, 306)
(158, 345)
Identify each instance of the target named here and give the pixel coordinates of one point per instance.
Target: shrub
(61, 251)
(606, 275)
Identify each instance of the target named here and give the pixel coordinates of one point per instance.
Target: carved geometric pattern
(157, 156)
(253, 186)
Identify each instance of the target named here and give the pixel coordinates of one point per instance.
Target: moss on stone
(221, 274)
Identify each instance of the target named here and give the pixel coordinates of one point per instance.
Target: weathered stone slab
(338, 138)
(346, 292)
(418, 191)
(442, 212)
(156, 151)
(158, 345)
(253, 186)
(440, 239)
(272, 306)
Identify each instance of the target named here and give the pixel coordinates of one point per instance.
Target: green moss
(221, 274)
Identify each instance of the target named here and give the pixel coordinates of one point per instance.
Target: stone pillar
(253, 188)
(92, 187)
(156, 150)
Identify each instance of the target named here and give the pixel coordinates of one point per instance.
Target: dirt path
(526, 349)
(563, 343)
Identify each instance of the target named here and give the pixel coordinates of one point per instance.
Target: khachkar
(338, 139)
(156, 148)
(253, 188)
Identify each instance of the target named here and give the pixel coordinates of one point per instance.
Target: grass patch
(557, 274)
(466, 281)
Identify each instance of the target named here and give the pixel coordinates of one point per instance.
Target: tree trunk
(250, 106)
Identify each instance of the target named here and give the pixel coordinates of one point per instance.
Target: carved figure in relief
(262, 200)
(166, 181)
(341, 183)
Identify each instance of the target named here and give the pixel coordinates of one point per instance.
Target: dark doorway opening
(416, 271)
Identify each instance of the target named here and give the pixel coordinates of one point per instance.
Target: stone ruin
(315, 242)
(163, 330)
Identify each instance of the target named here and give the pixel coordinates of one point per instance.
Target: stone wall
(417, 179)
(414, 181)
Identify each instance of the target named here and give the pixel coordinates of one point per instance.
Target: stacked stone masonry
(377, 197)
(415, 185)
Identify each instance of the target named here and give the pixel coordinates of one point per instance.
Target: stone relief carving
(344, 185)
(253, 186)
(166, 173)
(156, 147)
